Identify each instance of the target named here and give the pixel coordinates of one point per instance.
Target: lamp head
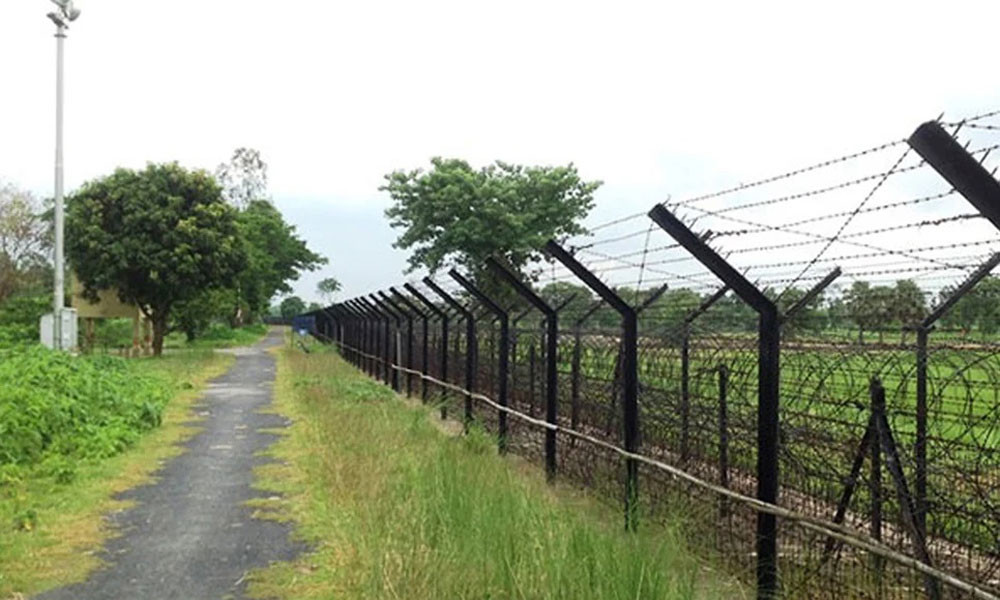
(57, 19)
(74, 13)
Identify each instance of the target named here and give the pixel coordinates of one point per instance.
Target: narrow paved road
(190, 536)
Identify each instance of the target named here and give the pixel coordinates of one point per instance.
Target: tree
(24, 241)
(275, 256)
(909, 306)
(456, 214)
(243, 178)
(292, 306)
(328, 288)
(194, 316)
(160, 236)
(869, 307)
(808, 318)
(556, 293)
(979, 308)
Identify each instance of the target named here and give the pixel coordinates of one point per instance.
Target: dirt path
(190, 536)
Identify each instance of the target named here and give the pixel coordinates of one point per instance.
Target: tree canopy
(328, 288)
(292, 306)
(24, 241)
(454, 213)
(275, 255)
(160, 236)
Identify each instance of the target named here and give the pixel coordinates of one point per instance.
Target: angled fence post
(413, 310)
(924, 329)
(685, 407)
(353, 334)
(470, 345)
(383, 337)
(575, 365)
(403, 315)
(551, 374)
(444, 341)
(365, 337)
(391, 337)
(978, 186)
(504, 358)
(629, 369)
(768, 374)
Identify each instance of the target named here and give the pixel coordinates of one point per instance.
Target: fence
(680, 373)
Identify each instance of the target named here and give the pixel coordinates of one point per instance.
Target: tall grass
(397, 509)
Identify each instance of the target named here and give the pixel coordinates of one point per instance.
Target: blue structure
(304, 323)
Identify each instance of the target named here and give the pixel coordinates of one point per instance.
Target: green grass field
(51, 525)
(395, 508)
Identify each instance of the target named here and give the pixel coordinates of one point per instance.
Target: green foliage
(454, 213)
(19, 317)
(328, 288)
(980, 308)
(243, 178)
(160, 236)
(24, 240)
(55, 408)
(292, 306)
(193, 317)
(276, 255)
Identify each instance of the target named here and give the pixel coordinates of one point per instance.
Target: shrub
(55, 408)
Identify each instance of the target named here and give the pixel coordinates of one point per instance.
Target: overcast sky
(655, 98)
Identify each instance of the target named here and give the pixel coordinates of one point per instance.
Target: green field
(433, 516)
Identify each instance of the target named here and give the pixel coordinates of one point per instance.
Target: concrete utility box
(69, 329)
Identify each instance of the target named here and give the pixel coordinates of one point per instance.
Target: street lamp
(66, 14)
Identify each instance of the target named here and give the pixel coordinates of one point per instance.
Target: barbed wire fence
(678, 362)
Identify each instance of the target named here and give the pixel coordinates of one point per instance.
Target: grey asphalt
(190, 535)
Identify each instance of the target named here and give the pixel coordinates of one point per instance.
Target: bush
(55, 408)
(19, 316)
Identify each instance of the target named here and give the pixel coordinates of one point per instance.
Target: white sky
(653, 98)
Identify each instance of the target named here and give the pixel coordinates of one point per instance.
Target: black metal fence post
(395, 317)
(723, 437)
(768, 374)
(629, 370)
(504, 358)
(470, 345)
(374, 344)
(685, 404)
(551, 364)
(444, 341)
(364, 337)
(414, 310)
(385, 339)
(575, 365)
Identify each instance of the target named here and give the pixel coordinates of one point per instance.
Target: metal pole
(552, 330)
(504, 352)
(59, 263)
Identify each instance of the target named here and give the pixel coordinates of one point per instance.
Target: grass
(51, 531)
(395, 508)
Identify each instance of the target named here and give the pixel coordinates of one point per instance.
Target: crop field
(826, 402)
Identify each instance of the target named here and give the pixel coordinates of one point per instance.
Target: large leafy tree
(870, 307)
(276, 256)
(328, 288)
(455, 214)
(160, 236)
(243, 178)
(292, 306)
(24, 241)
(979, 308)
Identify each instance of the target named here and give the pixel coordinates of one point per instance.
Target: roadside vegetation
(395, 508)
(74, 432)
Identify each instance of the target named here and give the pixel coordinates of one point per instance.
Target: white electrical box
(69, 330)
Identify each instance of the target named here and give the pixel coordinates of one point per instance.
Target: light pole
(66, 14)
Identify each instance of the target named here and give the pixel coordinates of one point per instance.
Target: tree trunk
(159, 332)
